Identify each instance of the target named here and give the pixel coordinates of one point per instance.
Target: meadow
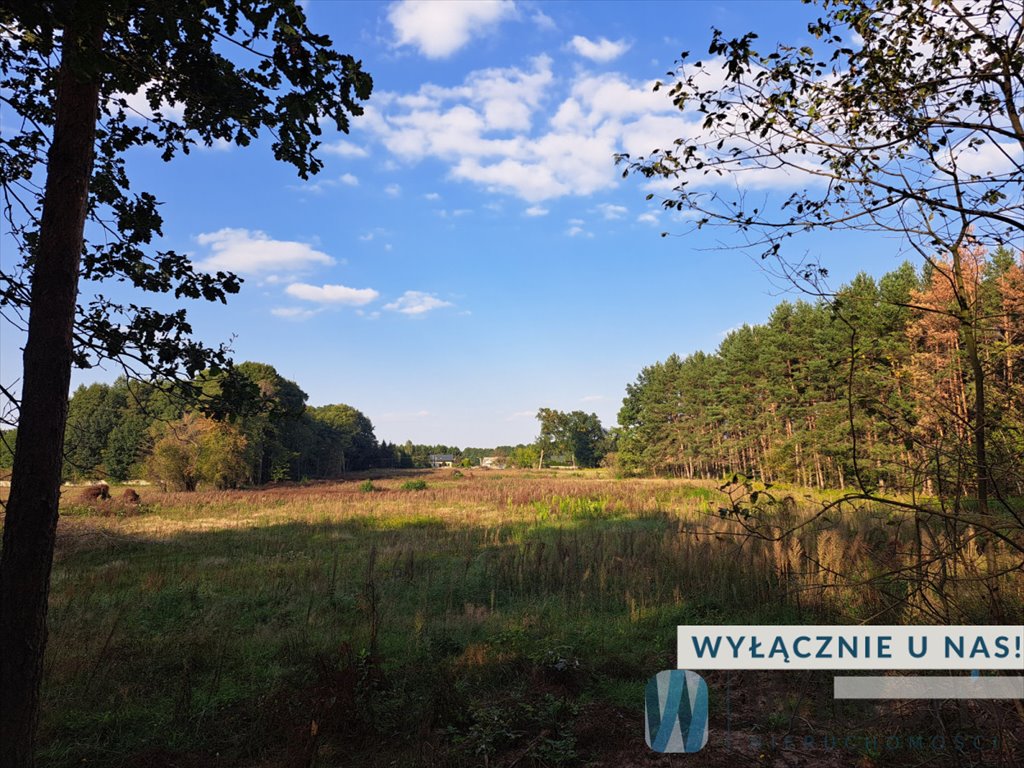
(468, 618)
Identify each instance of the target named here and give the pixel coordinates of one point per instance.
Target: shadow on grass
(412, 641)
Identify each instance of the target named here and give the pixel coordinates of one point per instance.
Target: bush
(367, 486)
(414, 485)
(197, 450)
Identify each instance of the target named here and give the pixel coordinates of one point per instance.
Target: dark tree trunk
(31, 520)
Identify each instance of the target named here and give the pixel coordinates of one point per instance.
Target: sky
(470, 252)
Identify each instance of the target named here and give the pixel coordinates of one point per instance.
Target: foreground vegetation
(462, 618)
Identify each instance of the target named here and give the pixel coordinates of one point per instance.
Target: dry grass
(483, 619)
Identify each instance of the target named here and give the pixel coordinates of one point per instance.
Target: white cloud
(602, 50)
(543, 21)
(536, 210)
(530, 181)
(322, 185)
(612, 212)
(344, 148)
(392, 190)
(592, 398)
(416, 303)
(506, 131)
(137, 105)
(251, 251)
(451, 120)
(487, 129)
(374, 234)
(293, 313)
(991, 159)
(594, 100)
(576, 229)
(438, 28)
(648, 218)
(431, 196)
(332, 294)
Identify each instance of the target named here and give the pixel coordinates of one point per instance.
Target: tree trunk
(31, 521)
(977, 423)
(969, 330)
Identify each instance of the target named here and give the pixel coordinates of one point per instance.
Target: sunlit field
(466, 618)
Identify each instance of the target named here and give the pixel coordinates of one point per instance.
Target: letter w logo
(676, 704)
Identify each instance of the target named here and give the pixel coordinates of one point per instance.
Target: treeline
(248, 426)
(874, 383)
(416, 455)
(566, 438)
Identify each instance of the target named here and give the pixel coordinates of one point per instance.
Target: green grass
(482, 619)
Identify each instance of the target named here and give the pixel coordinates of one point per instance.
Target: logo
(676, 708)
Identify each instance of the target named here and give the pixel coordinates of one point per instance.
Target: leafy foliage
(174, 56)
(115, 431)
(197, 450)
(576, 436)
(903, 117)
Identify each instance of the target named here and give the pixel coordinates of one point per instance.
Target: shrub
(367, 486)
(414, 485)
(197, 450)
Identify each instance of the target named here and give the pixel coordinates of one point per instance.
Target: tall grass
(479, 617)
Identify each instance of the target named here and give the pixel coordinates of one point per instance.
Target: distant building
(494, 462)
(438, 460)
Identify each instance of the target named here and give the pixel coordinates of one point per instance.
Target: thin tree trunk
(978, 424)
(969, 331)
(31, 521)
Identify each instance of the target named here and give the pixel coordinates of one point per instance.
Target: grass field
(456, 618)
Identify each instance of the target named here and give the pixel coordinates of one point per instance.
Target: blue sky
(470, 252)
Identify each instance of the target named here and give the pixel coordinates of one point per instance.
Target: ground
(446, 617)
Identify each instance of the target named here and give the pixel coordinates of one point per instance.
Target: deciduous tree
(575, 435)
(197, 449)
(68, 67)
